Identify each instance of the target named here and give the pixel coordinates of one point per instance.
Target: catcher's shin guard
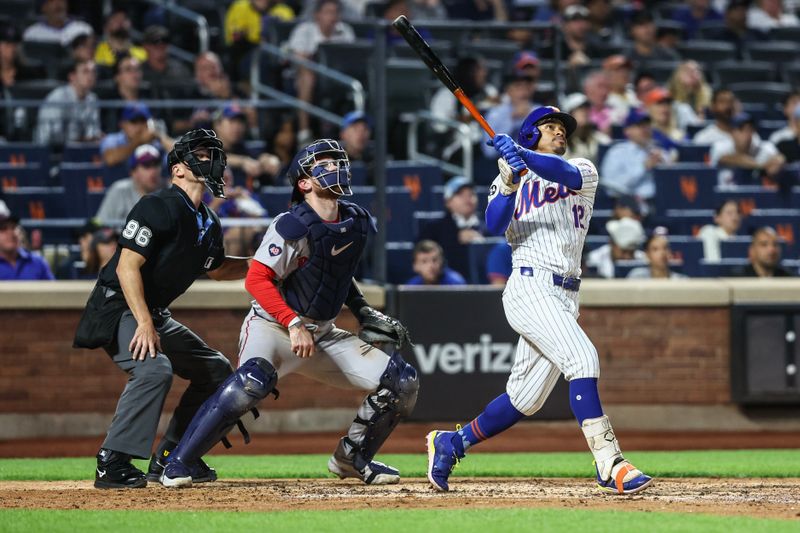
(241, 392)
(382, 410)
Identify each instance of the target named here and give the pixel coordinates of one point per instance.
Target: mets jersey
(550, 221)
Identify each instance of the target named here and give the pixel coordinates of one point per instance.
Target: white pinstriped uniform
(549, 239)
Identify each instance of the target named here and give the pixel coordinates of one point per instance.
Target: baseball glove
(377, 327)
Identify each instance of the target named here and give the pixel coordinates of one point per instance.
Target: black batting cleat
(115, 471)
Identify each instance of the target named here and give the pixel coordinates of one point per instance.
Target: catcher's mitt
(377, 327)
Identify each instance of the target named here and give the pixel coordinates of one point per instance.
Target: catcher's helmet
(334, 175)
(529, 133)
(209, 172)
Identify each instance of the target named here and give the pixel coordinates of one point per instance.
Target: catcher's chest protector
(318, 288)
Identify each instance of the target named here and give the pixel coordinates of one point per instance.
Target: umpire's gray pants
(135, 421)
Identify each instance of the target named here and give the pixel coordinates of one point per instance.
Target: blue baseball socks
(498, 416)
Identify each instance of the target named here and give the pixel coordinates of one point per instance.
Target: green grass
(385, 521)
(707, 463)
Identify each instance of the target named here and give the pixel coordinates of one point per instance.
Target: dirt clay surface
(773, 498)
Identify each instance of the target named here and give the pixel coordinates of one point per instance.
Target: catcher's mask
(211, 171)
(324, 161)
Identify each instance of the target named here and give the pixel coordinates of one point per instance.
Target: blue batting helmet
(334, 175)
(529, 133)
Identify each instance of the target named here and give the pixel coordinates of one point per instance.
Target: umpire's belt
(570, 284)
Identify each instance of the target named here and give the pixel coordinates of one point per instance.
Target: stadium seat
(693, 153)
(340, 56)
(687, 251)
(477, 253)
(753, 197)
(449, 31)
(275, 198)
(401, 50)
(661, 70)
(418, 179)
(115, 173)
(15, 176)
(728, 72)
(786, 222)
(768, 93)
(687, 221)
(399, 258)
(407, 81)
(721, 269)
(684, 186)
(735, 247)
(422, 218)
(37, 202)
(81, 153)
(358, 174)
(623, 267)
(501, 50)
(707, 52)
(791, 73)
(79, 181)
(399, 214)
(25, 153)
(776, 52)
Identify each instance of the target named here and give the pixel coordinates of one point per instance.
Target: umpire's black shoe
(201, 472)
(115, 471)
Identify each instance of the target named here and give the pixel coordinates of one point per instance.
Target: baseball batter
(544, 215)
(300, 277)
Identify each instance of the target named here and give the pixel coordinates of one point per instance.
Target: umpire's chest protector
(319, 288)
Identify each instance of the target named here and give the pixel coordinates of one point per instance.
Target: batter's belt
(567, 283)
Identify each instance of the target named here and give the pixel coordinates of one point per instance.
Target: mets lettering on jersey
(530, 195)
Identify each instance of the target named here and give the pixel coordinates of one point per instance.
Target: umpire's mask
(211, 171)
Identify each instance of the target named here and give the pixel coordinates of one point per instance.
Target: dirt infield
(764, 498)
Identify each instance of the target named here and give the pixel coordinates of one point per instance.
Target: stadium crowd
(690, 110)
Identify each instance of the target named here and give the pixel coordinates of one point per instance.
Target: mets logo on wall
(275, 250)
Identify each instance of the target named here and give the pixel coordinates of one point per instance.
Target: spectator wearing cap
(459, 227)
(727, 221)
(100, 246)
(516, 103)
(790, 148)
(669, 127)
(577, 46)
(326, 27)
(621, 97)
(627, 167)
(766, 15)
(146, 177)
(585, 141)
(69, 113)
(723, 108)
(764, 256)
(596, 88)
(745, 157)
(116, 40)
(230, 124)
(688, 85)
(429, 265)
(601, 17)
(82, 47)
(790, 103)
(13, 67)
(135, 129)
(658, 254)
(644, 47)
(735, 30)
(355, 134)
(692, 15)
(625, 237)
(159, 67)
(55, 26)
(472, 76)
(17, 263)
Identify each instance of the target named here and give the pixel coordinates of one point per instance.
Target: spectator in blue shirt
(498, 264)
(694, 14)
(16, 263)
(136, 128)
(430, 268)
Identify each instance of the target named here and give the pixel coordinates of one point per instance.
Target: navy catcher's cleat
(176, 475)
(625, 479)
(445, 451)
(115, 471)
(201, 472)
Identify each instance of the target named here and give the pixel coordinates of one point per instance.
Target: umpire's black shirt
(178, 241)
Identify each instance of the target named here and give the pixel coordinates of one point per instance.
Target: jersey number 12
(577, 215)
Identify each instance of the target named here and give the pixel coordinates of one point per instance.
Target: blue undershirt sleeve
(498, 213)
(553, 168)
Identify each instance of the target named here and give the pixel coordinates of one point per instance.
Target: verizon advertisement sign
(464, 351)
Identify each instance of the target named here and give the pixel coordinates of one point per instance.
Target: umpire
(170, 238)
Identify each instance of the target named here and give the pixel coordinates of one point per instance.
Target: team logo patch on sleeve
(275, 250)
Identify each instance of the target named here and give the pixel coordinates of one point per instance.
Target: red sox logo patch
(275, 250)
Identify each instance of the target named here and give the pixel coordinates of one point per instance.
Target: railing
(357, 89)
(463, 134)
